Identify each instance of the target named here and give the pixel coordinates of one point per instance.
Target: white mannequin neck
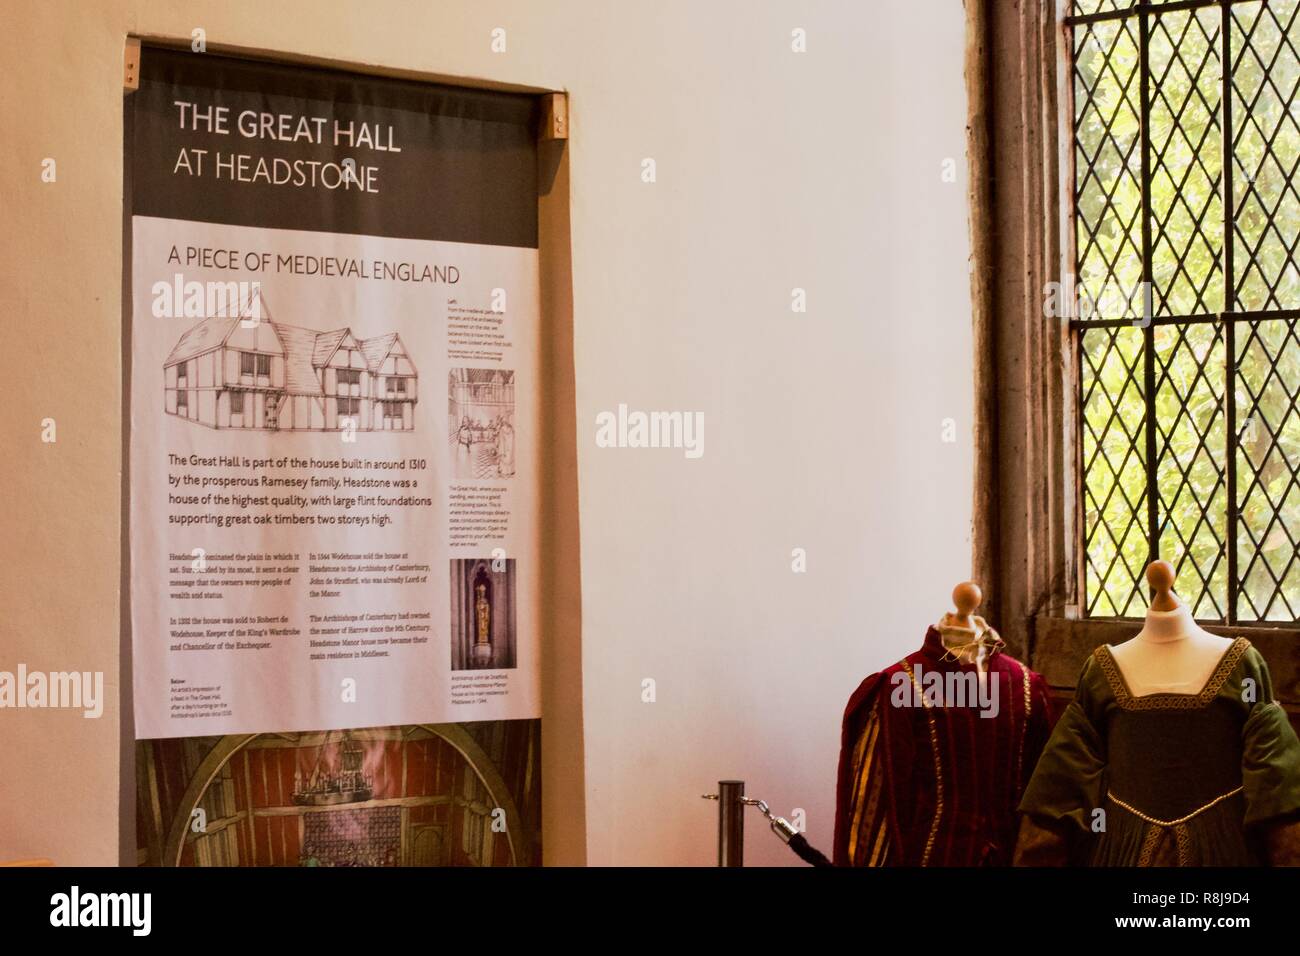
(1172, 654)
(1163, 627)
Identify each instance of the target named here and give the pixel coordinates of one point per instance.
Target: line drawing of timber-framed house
(230, 372)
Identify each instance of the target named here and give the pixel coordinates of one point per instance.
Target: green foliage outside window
(1220, 287)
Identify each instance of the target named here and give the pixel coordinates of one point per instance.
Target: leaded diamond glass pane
(1114, 468)
(1268, 470)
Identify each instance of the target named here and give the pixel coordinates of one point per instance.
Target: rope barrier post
(731, 823)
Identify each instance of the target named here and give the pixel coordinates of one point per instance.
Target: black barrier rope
(807, 852)
(731, 827)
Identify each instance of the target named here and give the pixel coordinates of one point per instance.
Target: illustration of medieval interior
(419, 795)
(481, 422)
(482, 613)
(233, 372)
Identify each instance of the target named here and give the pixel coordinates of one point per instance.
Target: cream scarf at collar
(969, 645)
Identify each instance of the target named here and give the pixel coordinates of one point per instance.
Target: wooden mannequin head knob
(1160, 575)
(966, 597)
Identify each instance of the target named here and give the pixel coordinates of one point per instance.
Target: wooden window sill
(1061, 645)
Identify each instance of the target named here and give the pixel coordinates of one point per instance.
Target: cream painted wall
(822, 430)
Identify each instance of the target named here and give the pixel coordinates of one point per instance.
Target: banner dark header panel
(290, 147)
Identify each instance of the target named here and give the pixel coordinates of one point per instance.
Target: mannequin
(1173, 752)
(966, 597)
(1171, 654)
(934, 781)
(967, 636)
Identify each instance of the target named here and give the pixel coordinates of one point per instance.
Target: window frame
(1027, 516)
(1230, 323)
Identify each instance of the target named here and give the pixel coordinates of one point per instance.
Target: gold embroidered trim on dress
(1184, 845)
(1024, 727)
(1165, 701)
(1149, 843)
(1156, 829)
(1181, 820)
(938, 769)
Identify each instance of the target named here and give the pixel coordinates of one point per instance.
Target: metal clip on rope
(780, 825)
(731, 826)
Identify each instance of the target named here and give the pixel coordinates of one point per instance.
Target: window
(1186, 232)
(246, 363)
(264, 365)
(348, 377)
(349, 406)
(182, 400)
(236, 403)
(396, 386)
(182, 372)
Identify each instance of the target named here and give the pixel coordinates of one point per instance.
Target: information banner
(333, 400)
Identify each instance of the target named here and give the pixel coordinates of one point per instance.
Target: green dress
(1168, 779)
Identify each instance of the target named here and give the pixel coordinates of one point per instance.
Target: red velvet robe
(936, 785)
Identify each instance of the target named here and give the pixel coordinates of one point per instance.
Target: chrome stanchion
(731, 821)
(731, 826)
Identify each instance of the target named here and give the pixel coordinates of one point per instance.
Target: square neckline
(1126, 699)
